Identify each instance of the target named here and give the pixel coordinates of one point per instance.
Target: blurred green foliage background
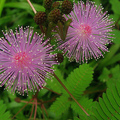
(18, 12)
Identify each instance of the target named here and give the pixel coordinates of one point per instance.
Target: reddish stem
(32, 111)
(41, 28)
(70, 94)
(35, 108)
(21, 109)
(52, 91)
(45, 110)
(42, 111)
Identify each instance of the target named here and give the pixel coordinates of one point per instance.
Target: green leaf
(3, 114)
(115, 17)
(112, 100)
(111, 76)
(114, 75)
(115, 59)
(104, 75)
(115, 6)
(5, 19)
(104, 108)
(60, 105)
(24, 5)
(62, 29)
(108, 56)
(97, 2)
(117, 36)
(65, 28)
(53, 83)
(109, 106)
(86, 104)
(14, 105)
(97, 115)
(2, 2)
(101, 112)
(79, 80)
(76, 118)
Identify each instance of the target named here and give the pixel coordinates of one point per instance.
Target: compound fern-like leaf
(79, 80)
(109, 106)
(53, 83)
(3, 114)
(60, 105)
(86, 104)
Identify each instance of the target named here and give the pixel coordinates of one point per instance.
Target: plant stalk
(21, 109)
(56, 76)
(32, 6)
(70, 94)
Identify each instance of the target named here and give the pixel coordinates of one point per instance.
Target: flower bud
(63, 20)
(59, 57)
(66, 7)
(54, 15)
(55, 5)
(40, 18)
(47, 4)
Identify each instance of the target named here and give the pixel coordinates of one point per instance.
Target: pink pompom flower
(25, 60)
(88, 33)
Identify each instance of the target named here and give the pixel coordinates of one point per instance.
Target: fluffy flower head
(25, 60)
(88, 33)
